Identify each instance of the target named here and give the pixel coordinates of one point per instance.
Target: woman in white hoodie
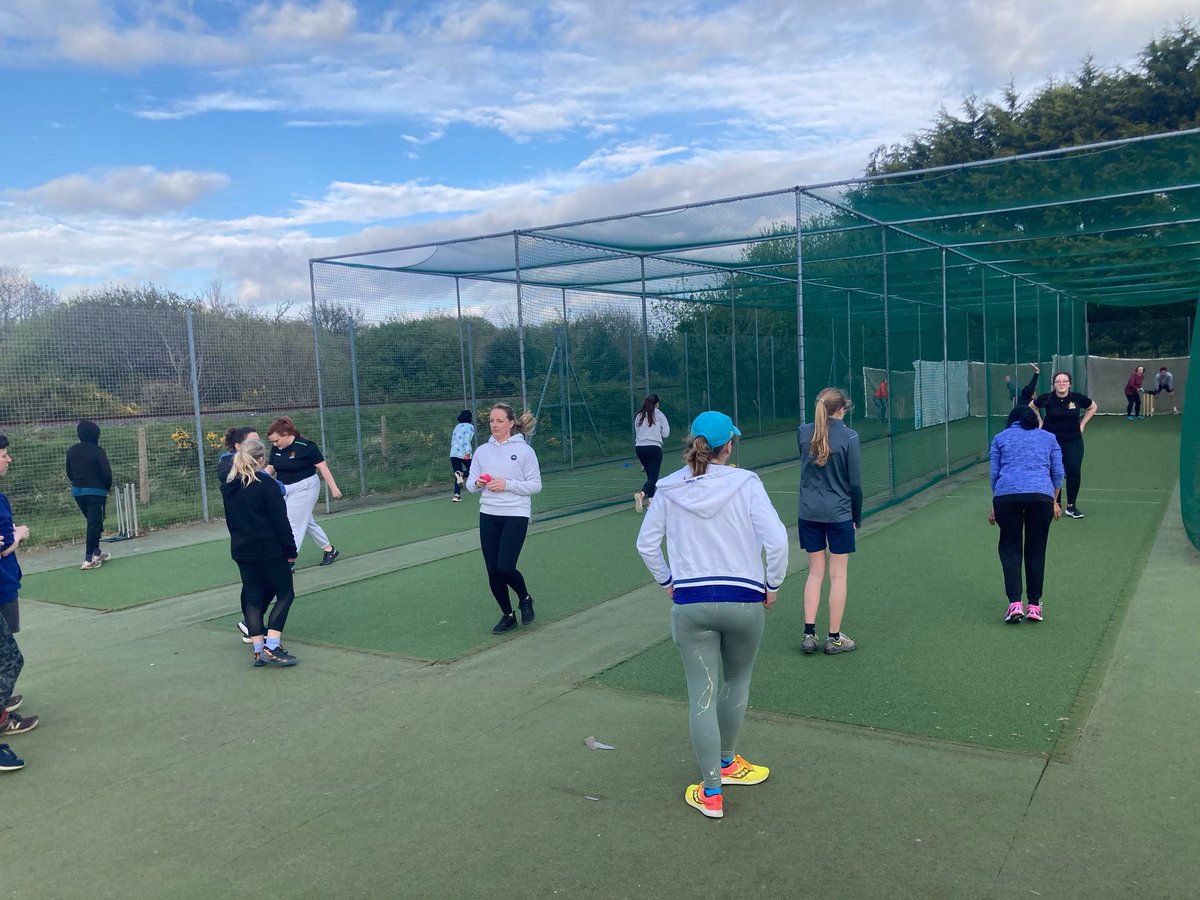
(650, 428)
(506, 470)
(717, 521)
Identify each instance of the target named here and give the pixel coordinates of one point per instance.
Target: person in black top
(1062, 409)
(91, 480)
(1030, 390)
(295, 460)
(261, 543)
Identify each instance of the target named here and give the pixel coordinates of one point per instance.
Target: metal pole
(471, 370)
(645, 328)
(1057, 330)
(850, 353)
(801, 399)
(1016, 350)
(520, 316)
(687, 378)
(1038, 329)
(946, 359)
(757, 373)
(774, 405)
(707, 368)
(563, 373)
(632, 402)
(733, 353)
(887, 363)
(362, 470)
(191, 339)
(462, 350)
(987, 373)
(312, 287)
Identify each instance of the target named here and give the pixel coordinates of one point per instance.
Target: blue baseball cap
(715, 427)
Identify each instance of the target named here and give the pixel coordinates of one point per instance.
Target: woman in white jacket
(717, 521)
(506, 470)
(650, 429)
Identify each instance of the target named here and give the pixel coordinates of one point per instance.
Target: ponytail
(247, 461)
(522, 425)
(829, 401)
(698, 455)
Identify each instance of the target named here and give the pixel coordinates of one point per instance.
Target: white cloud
(630, 156)
(329, 20)
(134, 191)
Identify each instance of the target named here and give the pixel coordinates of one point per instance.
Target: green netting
(937, 284)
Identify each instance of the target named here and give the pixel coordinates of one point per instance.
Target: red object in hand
(485, 478)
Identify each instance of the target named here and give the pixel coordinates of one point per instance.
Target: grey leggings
(718, 643)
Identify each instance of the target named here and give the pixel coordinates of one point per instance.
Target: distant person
(718, 522)
(1011, 387)
(1030, 390)
(1133, 394)
(651, 429)
(1026, 472)
(881, 400)
(91, 480)
(262, 544)
(296, 461)
(1165, 381)
(830, 512)
(11, 660)
(1063, 410)
(461, 441)
(506, 470)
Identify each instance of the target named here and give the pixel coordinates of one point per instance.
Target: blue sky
(181, 141)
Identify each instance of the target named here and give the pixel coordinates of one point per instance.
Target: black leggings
(263, 581)
(501, 539)
(651, 460)
(1024, 528)
(1072, 452)
(92, 507)
(1133, 404)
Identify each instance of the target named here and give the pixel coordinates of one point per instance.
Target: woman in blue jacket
(1027, 470)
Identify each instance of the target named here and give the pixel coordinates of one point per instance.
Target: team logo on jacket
(513, 457)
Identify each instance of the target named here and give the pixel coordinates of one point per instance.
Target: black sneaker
(9, 761)
(14, 703)
(329, 556)
(1073, 512)
(505, 623)
(527, 613)
(278, 656)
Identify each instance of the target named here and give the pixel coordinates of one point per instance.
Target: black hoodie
(87, 463)
(257, 520)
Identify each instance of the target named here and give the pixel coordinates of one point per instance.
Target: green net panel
(926, 296)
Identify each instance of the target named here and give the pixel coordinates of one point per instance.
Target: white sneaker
(95, 563)
(105, 557)
(638, 499)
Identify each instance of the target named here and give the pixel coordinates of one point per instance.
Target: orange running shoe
(710, 806)
(741, 772)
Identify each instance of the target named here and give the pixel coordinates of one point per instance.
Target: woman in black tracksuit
(262, 545)
(1066, 416)
(91, 480)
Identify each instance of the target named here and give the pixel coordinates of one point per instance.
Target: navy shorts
(839, 535)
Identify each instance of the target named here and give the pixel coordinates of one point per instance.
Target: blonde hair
(522, 425)
(247, 461)
(829, 401)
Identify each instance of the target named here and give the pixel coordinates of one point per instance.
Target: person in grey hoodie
(91, 480)
(506, 470)
(830, 512)
(717, 521)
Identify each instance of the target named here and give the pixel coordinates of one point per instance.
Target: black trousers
(458, 464)
(263, 581)
(1133, 404)
(501, 539)
(1024, 529)
(92, 508)
(651, 460)
(1072, 452)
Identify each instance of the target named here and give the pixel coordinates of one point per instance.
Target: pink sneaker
(1035, 612)
(1015, 614)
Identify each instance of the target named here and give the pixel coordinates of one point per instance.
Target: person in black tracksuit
(1066, 416)
(262, 545)
(91, 480)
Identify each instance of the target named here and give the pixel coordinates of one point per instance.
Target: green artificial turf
(926, 604)
(443, 609)
(130, 581)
